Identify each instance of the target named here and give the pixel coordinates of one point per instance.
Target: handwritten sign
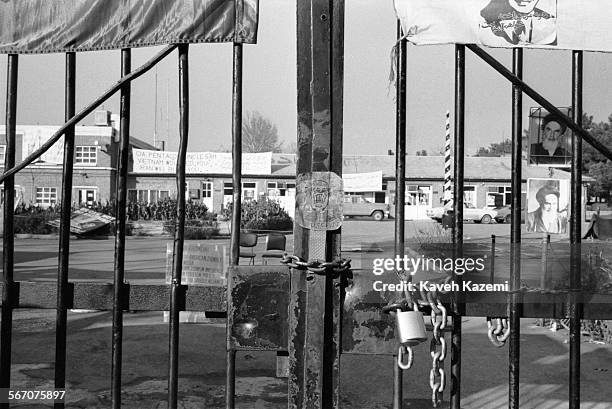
(148, 161)
(203, 264)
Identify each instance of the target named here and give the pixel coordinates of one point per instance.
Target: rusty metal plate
(319, 198)
(258, 302)
(366, 329)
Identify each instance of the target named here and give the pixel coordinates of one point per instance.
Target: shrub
(262, 214)
(196, 229)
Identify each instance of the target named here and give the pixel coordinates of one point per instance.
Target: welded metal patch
(258, 305)
(366, 329)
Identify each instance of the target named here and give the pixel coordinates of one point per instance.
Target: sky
(270, 86)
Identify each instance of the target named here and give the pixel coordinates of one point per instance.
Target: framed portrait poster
(548, 202)
(549, 139)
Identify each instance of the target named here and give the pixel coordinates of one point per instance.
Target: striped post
(447, 163)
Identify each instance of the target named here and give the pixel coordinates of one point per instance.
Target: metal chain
(499, 333)
(337, 267)
(437, 376)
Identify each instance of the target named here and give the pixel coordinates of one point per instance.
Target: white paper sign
(362, 182)
(568, 24)
(148, 161)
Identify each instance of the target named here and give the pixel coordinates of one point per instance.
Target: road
(544, 354)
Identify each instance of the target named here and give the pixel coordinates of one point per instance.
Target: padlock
(410, 327)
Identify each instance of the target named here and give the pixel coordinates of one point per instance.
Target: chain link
(438, 321)
(499, 333)
(338, 267)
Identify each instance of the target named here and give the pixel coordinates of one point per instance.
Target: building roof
(425, 167)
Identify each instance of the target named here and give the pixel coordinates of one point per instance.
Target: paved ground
(544, 354)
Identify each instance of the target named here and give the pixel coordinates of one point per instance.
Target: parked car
(358, 206)
(476, 215)
(437, 213)
(605, 209)
(504, 216)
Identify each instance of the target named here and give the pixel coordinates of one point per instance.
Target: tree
(594, 163)
(496, 149)
(259, 134)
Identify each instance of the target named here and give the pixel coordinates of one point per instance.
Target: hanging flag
(573, 25)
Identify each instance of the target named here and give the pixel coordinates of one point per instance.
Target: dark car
(504, 216)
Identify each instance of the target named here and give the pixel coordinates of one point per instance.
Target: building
(152, 175)
(95, 162)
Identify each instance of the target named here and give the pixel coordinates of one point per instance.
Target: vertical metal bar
(230, 355)
(575, 305)
(297, 316)
(400, 181)
(455, 397)
(515, 299)
(318, 141)
(236, 153)
(492, 277)
(177, 294)
(335, 293)
(544, 277)
(120, 212)
(64, 239)
(8, 244)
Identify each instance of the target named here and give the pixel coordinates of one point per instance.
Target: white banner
(574, 25)
(362, 182)
(34, 137)
(147, 161)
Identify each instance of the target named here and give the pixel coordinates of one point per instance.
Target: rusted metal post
(177, 291)
(458, 199)
(120, 212)
(575, 302)
(313, 345)
(400, 182)
(61, 323)
(515, 299)
(230, 354)
(8, 239)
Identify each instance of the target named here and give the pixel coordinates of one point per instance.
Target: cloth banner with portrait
(572, 25)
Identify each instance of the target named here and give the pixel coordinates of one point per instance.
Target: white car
(437, 213)
(470, 212)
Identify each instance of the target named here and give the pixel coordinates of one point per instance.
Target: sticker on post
(319, 201)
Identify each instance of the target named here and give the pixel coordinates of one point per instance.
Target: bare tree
(259, 134)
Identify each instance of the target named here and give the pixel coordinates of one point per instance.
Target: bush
(196, 229)
(262, 214)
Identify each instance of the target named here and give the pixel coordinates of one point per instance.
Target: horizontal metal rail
(88, 110)
(155, 297)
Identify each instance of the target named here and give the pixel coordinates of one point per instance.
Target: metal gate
(311, 295)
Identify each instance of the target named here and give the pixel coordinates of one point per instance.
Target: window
(469, 195)
(206, 190)
(228, 189)
(147, 196)
(86, 155)
(248, 190)
(280, 188)
(194, 194)
(499, 195)
(2, 153)
(46, 195)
